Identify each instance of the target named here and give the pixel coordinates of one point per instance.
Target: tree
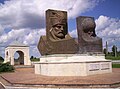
(31, 57)
(1, 59)
(114, 50)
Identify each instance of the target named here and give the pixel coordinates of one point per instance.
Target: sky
(24, 20)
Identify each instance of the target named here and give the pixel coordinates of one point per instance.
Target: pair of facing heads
(59, 30)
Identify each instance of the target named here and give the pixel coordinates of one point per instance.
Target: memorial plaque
(105, 66)
(94, 66)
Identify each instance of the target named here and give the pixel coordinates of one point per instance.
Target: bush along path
(6, 67)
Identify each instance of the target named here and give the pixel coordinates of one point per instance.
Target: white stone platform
(73, 65)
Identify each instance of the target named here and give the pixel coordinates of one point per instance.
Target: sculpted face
(90, 32)
(89, 27)
(58, 31)
(57, 28)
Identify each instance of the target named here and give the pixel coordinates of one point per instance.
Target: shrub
(35, 59)
(6, 67)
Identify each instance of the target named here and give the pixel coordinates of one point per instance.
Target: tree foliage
(6, 67)
(1, 58)
(114, 50)
(32, 58)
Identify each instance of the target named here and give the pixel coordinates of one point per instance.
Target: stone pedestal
(73, 65)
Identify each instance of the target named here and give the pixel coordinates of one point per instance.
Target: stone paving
(26, 76)
(1, 87)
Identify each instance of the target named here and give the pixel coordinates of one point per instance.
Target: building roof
(17, 44)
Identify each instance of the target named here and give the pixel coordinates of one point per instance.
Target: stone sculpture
(57, 39)
(88, 41)
(79, 58)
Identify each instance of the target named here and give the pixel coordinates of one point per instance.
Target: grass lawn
(112, 57)
(35, 60)
(115, 65)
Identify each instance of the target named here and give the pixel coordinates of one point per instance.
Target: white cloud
(1, 30)
(19, 14)
(33, 37)
(26, 36)
(73, 33)
(34, 51)
(12, 35)
(23, 35)
(108, 29)
(2, 51)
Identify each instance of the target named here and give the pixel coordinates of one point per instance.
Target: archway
(22, 52)
(18, 58)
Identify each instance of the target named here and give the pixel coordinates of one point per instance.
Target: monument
(57, 39)
(88, 41)
(64, 56)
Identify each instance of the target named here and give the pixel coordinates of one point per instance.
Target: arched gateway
(21, 49)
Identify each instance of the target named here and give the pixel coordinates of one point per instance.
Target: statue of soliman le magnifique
(58, 41)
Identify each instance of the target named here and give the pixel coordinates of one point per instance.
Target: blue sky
(25, 20)
(108, 8)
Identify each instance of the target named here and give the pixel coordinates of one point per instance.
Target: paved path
(26, 76)
(1, 87)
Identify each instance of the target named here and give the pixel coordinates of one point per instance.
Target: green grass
(35, 59)
(115, 65)
(112, 57)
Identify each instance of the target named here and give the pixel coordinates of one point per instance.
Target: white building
(21, 49)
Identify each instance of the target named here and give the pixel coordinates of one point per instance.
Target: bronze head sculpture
(56, 25)
(59, 26)
(57, 39)
(88, 41)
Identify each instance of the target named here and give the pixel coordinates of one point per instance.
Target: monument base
(73, 65)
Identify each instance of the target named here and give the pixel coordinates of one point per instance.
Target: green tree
(104, 50)
(1, 59)
(114, 50)
(31, 57)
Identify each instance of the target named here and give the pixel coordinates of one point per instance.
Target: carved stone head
(88, 41)
(88, 26)
(56, 25)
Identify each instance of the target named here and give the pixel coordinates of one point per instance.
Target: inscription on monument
(94, 66)
(105, 66)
